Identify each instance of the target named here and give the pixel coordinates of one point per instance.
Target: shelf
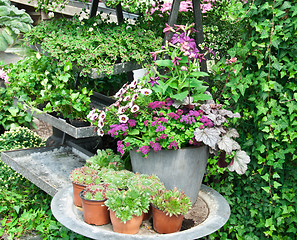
(47, 167)
(75, 7)
(61, 124)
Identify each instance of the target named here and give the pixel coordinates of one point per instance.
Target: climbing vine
(261, 85)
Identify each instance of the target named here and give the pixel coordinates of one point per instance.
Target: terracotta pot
(130, 227)
(165, 224)
(147, 216)
(95, 212)
(77, 188)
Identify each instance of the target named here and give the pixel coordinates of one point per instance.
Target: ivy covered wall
(262, 86)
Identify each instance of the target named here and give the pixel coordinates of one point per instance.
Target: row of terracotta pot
(95, 212)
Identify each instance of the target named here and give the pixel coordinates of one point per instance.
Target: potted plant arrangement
(80, 178)
(169, 207)
(119, 179)
(169, 119)
(126, 209)
(93, 198)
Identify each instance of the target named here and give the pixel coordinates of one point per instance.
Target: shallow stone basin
(211, 212)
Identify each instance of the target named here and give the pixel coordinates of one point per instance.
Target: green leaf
(134, 132)
(199, 74)
(164, 63)
(13, 111)
(180, 96)
(276, 184)
(67, 66)
(266, 189)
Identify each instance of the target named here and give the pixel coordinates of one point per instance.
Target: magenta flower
(176, 60)
(153, 81)
(160, 128)
(144, 149)
(168, 29)
(131, 123)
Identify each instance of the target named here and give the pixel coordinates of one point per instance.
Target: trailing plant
(172, 202)
(125, 204)
(261, 86)
(105, 158)
(94, 43)
(13, 22)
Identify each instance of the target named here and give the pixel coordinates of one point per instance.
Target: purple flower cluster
(206, 121)
(187, 45)
(155, 146)
(173, 144)
(189, 118)
(156, 104)
(120, 147)
(144, 150)
(113, 131)
(160, 128)
(173, 115)
(131, 122)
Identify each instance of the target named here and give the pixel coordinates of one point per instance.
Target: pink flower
(122, 110)
(100, 123)
(102, 115)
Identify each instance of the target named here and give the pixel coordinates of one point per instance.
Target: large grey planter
(183, 168)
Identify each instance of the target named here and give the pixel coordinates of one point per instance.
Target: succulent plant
(149, 184)
(84, 176)
(106, 158)
(119, 179)
(125, 204)
(172, 202)
(96, 191)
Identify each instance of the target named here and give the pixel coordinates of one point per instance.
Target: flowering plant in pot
(126, 209)
(170, 109)
(169, 206)
(93, 197)
(80, 178)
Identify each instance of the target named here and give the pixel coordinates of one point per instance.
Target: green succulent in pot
(172, 202)
(84, 176)
(95, 192)
(127, 204)
(119, 179)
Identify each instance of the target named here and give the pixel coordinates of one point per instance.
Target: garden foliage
(24, 208)
(261, 85)
(12, 22)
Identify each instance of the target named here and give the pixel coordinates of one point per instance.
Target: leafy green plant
(12, 115)
(172, 202)
(105, 158)
(13, 22)
(125, 204)
(94, 43)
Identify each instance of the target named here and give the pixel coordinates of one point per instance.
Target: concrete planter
(183, 168)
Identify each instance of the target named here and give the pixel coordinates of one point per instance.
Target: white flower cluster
(126, 97)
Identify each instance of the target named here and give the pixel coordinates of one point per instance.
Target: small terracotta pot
(147, 216)
(95, 212)
(165, 224)
(77, 188)
(130, 227)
